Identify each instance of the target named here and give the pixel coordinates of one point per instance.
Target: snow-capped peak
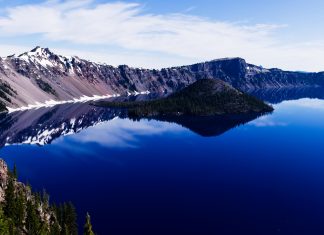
(41, 56)
(37, 52)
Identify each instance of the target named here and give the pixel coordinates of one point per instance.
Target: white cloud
(177, 38)
(132, 58)
(9, 49)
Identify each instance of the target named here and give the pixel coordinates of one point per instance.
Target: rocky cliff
(3, 179)
(40, 75)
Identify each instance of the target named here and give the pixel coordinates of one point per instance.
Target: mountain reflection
(276, 96)
(44, 125)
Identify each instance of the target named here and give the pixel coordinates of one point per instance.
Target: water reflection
(121, 133)
(44, 125)
(213, 125)
(276, 96)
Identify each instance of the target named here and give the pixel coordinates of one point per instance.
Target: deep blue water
(155, 177)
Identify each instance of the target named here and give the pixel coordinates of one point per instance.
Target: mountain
(41, 75)
(205, 97)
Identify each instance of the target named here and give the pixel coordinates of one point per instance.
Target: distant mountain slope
(205, 97)
(40, 75)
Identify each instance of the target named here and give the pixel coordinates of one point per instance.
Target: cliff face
(3, 179)
(40, 75)
(246, 76)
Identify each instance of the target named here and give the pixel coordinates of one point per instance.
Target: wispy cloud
(129, 27)
(189, 9)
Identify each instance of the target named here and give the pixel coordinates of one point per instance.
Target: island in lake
(205, 97)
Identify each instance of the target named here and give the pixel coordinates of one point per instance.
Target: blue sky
(149, 33)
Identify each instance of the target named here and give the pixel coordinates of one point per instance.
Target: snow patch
(51, 103)
(138, 93)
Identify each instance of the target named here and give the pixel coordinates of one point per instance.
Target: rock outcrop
(3, 179)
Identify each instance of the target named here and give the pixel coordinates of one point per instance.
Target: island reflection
(44, 125)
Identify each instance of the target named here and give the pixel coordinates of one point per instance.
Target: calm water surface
(249, 175)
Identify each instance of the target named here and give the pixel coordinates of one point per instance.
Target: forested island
(205, 97)
(23, 211)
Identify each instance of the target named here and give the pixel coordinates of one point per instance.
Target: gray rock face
(3, 179)
(40, 75)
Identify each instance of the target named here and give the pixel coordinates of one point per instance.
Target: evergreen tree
(4, 224)
(10, 205)
(65, 230)
(33, 222)
(70, 218)
(45, 199)
(67, 219)
(12, 227)
(38, 198)
(20, 209)
(58, 214)
(55, 228)
(15, 172)
(88, 226)
(28, 185)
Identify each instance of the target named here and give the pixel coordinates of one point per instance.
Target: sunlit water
(155, 177)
